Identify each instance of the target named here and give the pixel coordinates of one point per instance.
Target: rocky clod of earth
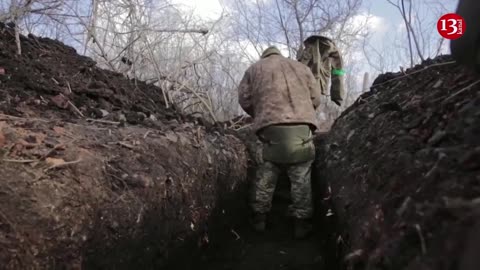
(403, 164)
(95, 171)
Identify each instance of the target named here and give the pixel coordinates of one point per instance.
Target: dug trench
(97, 173)
(400, 172)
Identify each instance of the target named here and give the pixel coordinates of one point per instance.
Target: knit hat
(271, 51)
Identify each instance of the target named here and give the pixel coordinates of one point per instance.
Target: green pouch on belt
(287, 144)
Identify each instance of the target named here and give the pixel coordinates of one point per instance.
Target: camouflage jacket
(325, 61)
(278, 90)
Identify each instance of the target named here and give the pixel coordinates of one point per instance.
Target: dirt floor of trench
(235, 246)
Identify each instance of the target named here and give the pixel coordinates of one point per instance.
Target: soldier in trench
(282, 96)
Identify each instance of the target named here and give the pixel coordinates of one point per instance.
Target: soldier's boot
(302, 228)
(259, 222)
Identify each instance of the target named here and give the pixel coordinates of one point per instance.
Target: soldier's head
(272, 50)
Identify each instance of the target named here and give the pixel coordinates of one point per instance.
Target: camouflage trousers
(300, 182)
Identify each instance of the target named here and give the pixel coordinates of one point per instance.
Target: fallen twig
(126, 145)
(103, 121)
(232, 124)
(244, 127)
(460, 91)
(329, 194)
(354, 255)
(404, 206)
(20, 160)
(422, 239)
(76, 109)
(63, 164)
(458, 203)
(11, 117)
(43, 100)
(69, 88)
(198, 135)
(237, 237)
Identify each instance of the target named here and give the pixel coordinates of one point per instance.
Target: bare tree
(287, 23)
(418, 29)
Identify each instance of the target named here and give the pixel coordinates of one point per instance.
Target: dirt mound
(51, 79)
(404, 166)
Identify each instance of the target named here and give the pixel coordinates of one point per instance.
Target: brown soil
(81, 195)
(404, 166)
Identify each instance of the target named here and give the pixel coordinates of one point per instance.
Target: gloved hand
(337, 91)
(338, 102)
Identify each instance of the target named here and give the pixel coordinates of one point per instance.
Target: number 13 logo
(451, 26)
